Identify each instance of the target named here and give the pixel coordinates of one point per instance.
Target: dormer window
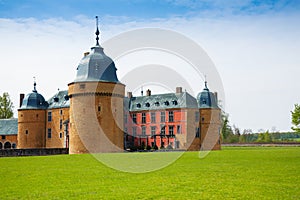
(167, 103)
(147, 104)
(157, 103)
(56, 99)
(138, 105)
(174, 102)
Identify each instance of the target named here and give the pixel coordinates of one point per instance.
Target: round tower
(32, 120)
(210, 120)
(96, 105)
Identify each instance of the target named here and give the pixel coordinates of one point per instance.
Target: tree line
(232, 134)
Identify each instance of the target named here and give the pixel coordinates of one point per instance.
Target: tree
(6, 106)
(296, 118)
(226, 129)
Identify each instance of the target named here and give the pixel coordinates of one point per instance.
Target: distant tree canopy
(296, 118)
(6, 106)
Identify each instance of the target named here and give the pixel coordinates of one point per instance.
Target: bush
(155, 147)
(148, 147)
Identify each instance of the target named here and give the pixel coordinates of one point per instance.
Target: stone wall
(96, 117)
(32, 152)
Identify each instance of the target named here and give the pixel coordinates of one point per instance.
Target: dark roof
(59, 100)
(8, 126)
(207, 99)
(161, 101)
(34, 100)
(96, 66)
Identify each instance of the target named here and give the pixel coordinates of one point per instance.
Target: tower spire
(205, 81)
(34, 85)
(97, 32)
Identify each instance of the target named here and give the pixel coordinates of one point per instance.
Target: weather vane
(97, 32)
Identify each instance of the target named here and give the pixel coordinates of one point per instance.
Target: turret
(96, 105)
(210, 120)
(31, 121)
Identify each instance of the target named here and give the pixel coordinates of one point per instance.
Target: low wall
(33, 152)
(261, 145)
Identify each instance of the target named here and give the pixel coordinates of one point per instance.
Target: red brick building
(170, 120)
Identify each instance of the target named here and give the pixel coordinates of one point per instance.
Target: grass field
(233, 173)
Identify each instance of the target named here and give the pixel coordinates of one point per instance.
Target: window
(174, 102)
(162, 116)
(156, 103)
(134, 131)
(178, 129)
(82, 86)
(26, 132)
(143, 118)
(134, 117)
(49, 133)
(61, 112)
(125, 118)
(99, 108)
(171, 130)
(60, 135)
(143, 130)
(49, 116)
(171, 116)
(60, 124)
(163, 130)
(167, 103)
(14, 146)
(147, 104)
(197, 116)
(153, 118)
(197, 132)
(153, 130)
(3, 137)
(138, 105)
(202, 119)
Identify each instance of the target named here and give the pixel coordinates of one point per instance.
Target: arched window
(14, 146)
(1, 145)
(7, 145)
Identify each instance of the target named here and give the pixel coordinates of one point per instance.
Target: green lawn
(233, 173)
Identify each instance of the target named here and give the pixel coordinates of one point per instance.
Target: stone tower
(32, 120)
(96, 105)
(210, 120)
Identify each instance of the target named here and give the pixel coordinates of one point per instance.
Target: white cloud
(257, 58)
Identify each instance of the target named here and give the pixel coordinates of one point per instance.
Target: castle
(94, 115)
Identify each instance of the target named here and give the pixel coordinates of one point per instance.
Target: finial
(205, 81)
(142, 92)
(97, 32)
(34, 85)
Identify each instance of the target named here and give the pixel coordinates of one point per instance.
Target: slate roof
(59, 100)
(161, 102)
(8, 126)
(96, 66)
(34, 100)
(207, 99)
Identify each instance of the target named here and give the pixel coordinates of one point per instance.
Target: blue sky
(140, 8)
(254, 44)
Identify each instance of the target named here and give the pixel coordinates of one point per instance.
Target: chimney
(178, 90)
(148, 92)
(216, 96)
(129, 95)
(21, 99)
(86, 53)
